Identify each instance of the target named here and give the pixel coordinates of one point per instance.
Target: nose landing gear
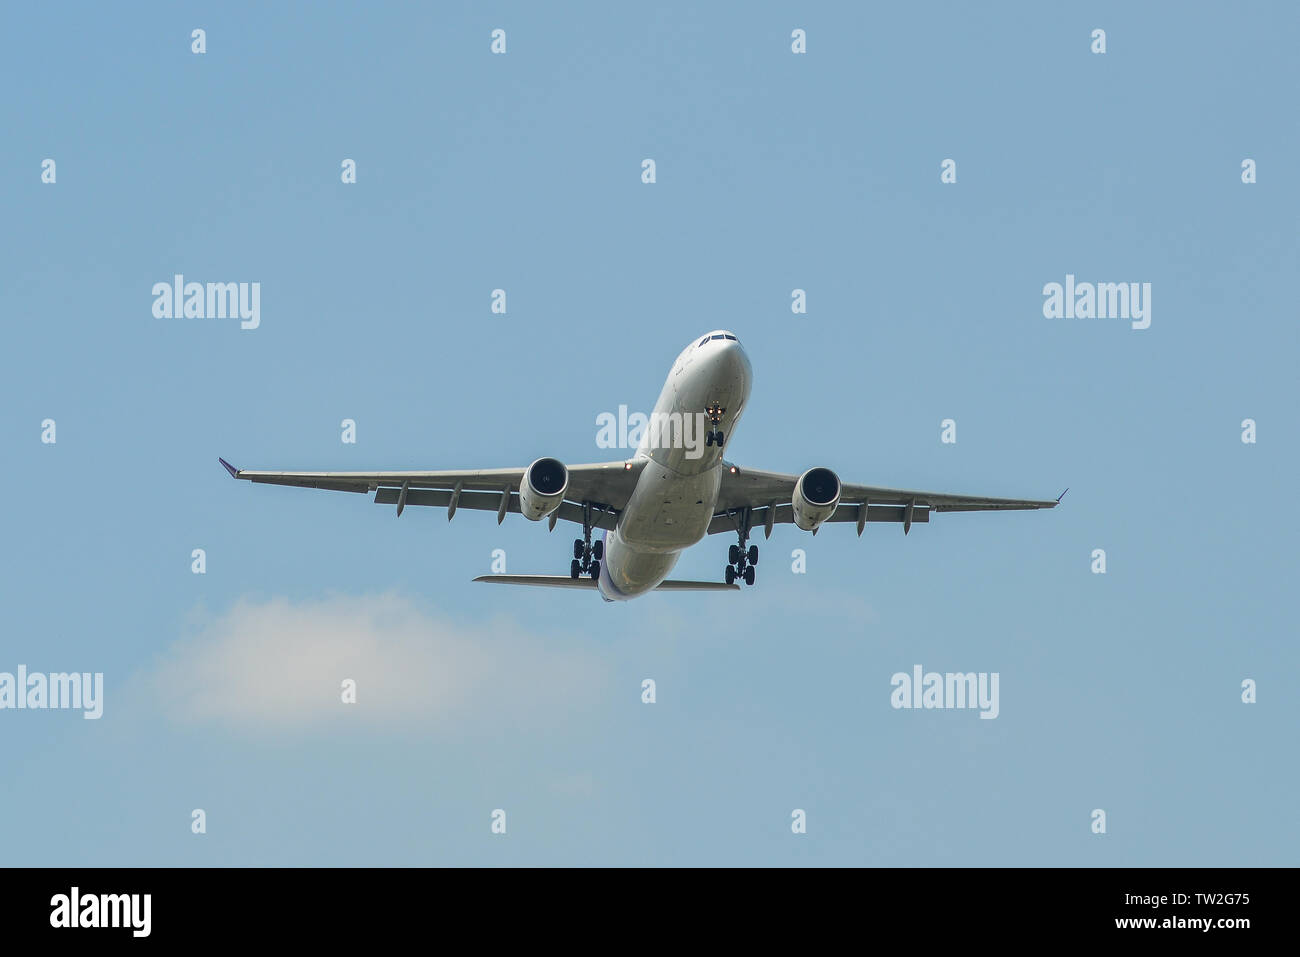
(716, 436)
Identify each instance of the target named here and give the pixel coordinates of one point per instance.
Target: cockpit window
(702, 341)
(719, 337)
(732, 338)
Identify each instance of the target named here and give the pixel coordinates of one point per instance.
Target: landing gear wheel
(708, 438)
(719, 439)
(740, 560)
(587, 554)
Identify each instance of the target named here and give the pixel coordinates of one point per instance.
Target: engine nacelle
(816, 496)
(542, 488)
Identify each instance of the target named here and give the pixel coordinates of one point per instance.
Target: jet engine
(816, 495)
(542, 488)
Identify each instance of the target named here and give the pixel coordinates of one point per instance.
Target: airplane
(668, 496)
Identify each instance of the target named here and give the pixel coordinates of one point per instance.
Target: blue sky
(775, 171)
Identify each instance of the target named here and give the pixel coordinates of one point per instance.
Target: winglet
(234, 472)
(1061, 496)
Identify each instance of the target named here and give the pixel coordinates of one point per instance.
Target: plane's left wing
(767, 497)
(606, 485)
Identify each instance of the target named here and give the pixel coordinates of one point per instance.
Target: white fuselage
(677, 490)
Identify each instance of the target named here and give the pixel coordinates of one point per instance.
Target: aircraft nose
(731, 358)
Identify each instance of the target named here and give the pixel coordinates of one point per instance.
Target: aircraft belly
(668, 511)
(627, 572)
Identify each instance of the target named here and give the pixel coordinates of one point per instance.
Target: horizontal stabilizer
(672, 585)
(564, 581)
(546, 581)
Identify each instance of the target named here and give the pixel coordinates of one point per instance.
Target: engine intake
(542, 489)
(816, 496)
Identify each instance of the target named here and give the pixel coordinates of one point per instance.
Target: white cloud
(279, 664)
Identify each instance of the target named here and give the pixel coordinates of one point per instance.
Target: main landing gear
(716, 436)
(586, 553)
(741, 560)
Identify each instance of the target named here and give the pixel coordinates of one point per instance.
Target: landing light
(627, 466)
(734, 470)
